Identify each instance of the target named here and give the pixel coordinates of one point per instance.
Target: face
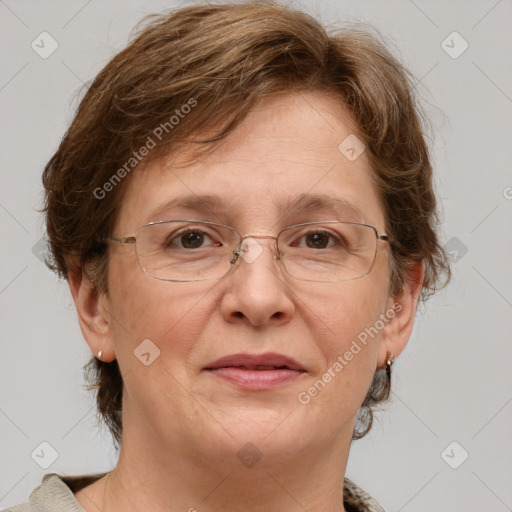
(285, 149)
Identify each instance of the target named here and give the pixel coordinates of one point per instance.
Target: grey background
(453, 382)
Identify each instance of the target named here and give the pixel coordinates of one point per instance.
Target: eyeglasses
(189, 250)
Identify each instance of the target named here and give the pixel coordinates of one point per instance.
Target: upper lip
(254, 361)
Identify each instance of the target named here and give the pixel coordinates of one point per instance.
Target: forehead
(283, 160)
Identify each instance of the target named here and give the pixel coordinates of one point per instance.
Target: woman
(243, 207)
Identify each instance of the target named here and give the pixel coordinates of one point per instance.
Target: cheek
(346, 328)
(339, 315)
(169, 314)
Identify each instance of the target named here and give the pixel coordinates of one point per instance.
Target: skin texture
(182, 426)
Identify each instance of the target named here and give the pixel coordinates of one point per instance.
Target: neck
(149, 478)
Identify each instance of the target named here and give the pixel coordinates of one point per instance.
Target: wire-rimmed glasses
(190, 250)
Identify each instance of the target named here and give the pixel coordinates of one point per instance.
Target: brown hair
(220, 60)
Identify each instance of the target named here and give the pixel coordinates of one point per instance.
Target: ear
(401, 312)
(93, 315)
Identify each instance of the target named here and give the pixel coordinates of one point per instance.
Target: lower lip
(255, 379)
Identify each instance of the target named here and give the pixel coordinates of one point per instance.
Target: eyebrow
(213, 205)
(318, 203)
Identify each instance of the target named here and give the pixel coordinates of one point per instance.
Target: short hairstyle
(207, 66)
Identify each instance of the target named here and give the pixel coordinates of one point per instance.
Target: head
(250, 104)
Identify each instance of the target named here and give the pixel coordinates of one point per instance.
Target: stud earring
(99, 354)
(389, 363)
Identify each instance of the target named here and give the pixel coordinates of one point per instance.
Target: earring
(389, 364)
(99, 354)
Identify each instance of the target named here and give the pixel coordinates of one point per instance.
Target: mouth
(256, 371)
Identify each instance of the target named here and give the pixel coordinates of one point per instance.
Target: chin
(272, 430)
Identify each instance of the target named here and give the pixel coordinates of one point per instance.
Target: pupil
(317, 240)
(192, 240)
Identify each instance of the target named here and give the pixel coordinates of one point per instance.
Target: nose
(256, 290)
(249, 248)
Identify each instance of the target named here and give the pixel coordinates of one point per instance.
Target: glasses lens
(185, 250)
(328, 251)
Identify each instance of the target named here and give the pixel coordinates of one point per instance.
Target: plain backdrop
(452, 387)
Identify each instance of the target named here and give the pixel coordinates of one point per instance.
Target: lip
(255, 360)
(254, 371)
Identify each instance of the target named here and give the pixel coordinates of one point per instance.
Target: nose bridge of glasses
(258, 236)
(250, 249)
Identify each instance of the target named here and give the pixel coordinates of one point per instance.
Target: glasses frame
(132, 239)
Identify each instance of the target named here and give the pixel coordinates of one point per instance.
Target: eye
(191, 239)
(319, 239)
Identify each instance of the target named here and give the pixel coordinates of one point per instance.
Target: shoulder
(53, 495)
(24, 507)
(357, 500)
